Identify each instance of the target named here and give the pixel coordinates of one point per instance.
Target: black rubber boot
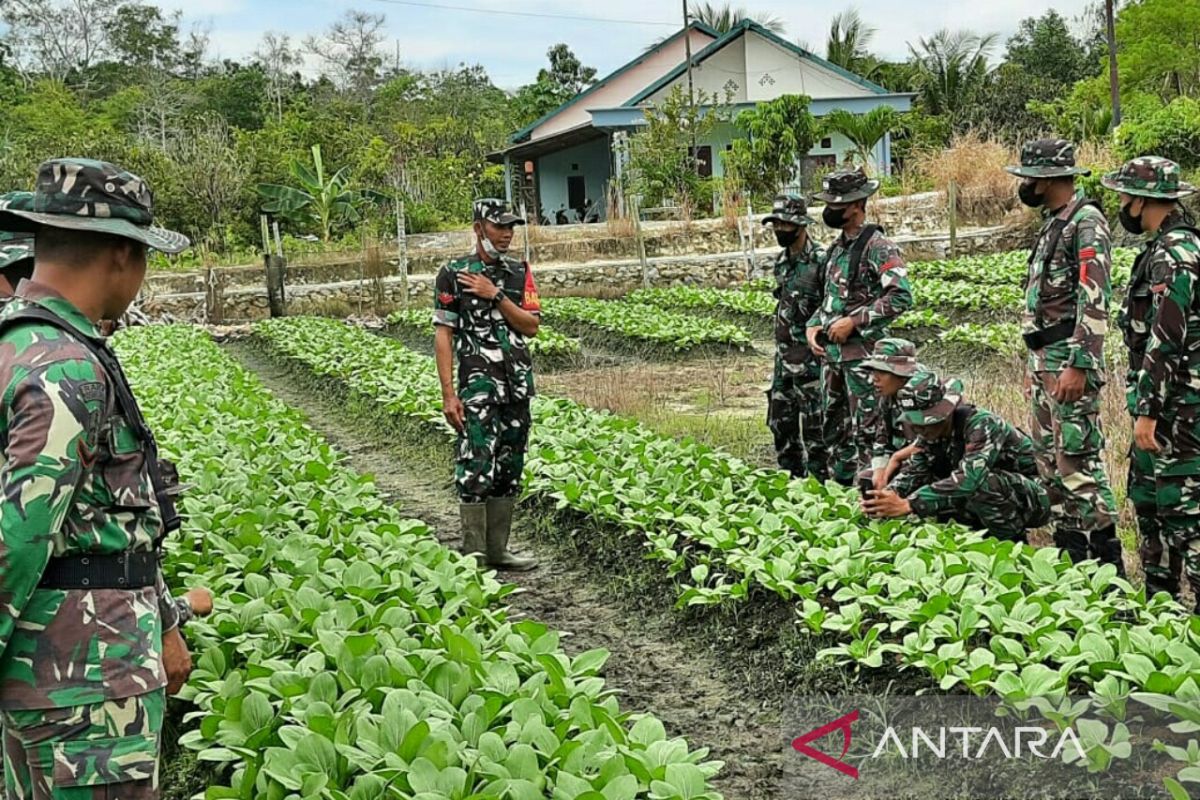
(1072, 542)
(474, 528)
(1105, 547)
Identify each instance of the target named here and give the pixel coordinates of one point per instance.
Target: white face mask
(489, 248)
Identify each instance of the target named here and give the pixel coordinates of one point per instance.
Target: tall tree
(724, 18)
(950, 69)
(60, 39)
(565, 78)
(350, 51)
(1044, 47)
(848, 43)
(1160, 47)
(279, 60)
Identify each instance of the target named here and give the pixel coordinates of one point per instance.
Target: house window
(574, 168)
(826, 143)
(704, 160)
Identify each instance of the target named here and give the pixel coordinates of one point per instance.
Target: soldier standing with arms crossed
(866, 287)
(485, 307)
(1161, 323)
(794, 399)
(88, 630)
(1066, 317)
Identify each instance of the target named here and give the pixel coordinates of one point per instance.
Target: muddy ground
(655, 664)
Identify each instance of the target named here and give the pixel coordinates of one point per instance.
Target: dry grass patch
(976, 164)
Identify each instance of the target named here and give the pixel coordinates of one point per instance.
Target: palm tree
(848, 43)
(950, 68)
(863, 130)
(724, 18)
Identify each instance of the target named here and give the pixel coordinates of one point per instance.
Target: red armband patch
(531, 302)
(1087, 253)
(445, 298)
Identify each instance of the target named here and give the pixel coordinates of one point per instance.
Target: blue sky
(513, 48)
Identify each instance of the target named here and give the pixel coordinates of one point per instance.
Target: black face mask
(1129, 222)
(834, 217)
(1028, 193)
(787, 238)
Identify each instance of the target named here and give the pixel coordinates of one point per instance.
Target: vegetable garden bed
(549, 349)
(350, 655)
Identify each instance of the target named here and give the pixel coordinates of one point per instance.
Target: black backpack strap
(126, 402)
(859, 248)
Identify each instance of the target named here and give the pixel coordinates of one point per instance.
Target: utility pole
(1114, 84)
(687, 47)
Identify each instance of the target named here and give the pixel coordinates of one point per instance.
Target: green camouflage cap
(846, 186)
(789, 208)
(495, 211)
(925, 400)
(85, 195)
(1149, 176)
(16, 246)
(1048, 158)
(897, 356)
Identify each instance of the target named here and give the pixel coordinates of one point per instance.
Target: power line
(503, 12)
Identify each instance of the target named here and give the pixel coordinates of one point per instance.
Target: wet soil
(657, 664)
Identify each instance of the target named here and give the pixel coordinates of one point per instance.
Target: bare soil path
(652, 663)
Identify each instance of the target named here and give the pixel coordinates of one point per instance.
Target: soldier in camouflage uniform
(16, 247)
(1161, 323)
(89, 634)
(486, 307)
(794, 399)
(892, 363)
(866, 287)
(1066, 317)
(970, 466)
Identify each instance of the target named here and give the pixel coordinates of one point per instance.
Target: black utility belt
(125, 570)
(1055, 333)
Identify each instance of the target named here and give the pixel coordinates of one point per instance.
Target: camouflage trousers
(101, 751)
(794, 417)
(850, 400)
(1171, 546)
(1070, 446)
(1006, 505)
(491, 451)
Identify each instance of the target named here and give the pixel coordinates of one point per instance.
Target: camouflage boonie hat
(897, 356)
(925, 400)
(489, 209)
(1048, 158)
(85, 195)
(16, 246)
(846, 186)
(1149, 176)
(789, 208)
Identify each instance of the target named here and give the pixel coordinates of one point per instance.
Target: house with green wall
(571, 155)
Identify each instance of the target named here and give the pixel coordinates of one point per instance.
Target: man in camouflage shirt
(485, 308)
(16, 247)
(794, 399)
(1161, 323)
(89, 634)
(970, 466)
(892, 364)
(1066, 317)
(866, 287)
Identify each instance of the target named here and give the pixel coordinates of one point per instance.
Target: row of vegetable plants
(549, 343)
(642, 323)
(992, 617)
(350, 656)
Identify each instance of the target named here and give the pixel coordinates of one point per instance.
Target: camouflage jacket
(951, 469)
(1170, 369)
(1077, 286)
(798, 295)
(879, 294)
(891, 434)
(493, 359)
(74, 481)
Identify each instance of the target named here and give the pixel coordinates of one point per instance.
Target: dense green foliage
(350, 655)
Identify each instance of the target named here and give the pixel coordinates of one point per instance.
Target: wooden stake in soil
(641, 242)
(402, 244)
(952, 192)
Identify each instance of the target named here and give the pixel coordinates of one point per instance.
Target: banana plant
(324, 200)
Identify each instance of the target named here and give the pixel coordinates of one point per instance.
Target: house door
(703, 159)
(576, 194)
